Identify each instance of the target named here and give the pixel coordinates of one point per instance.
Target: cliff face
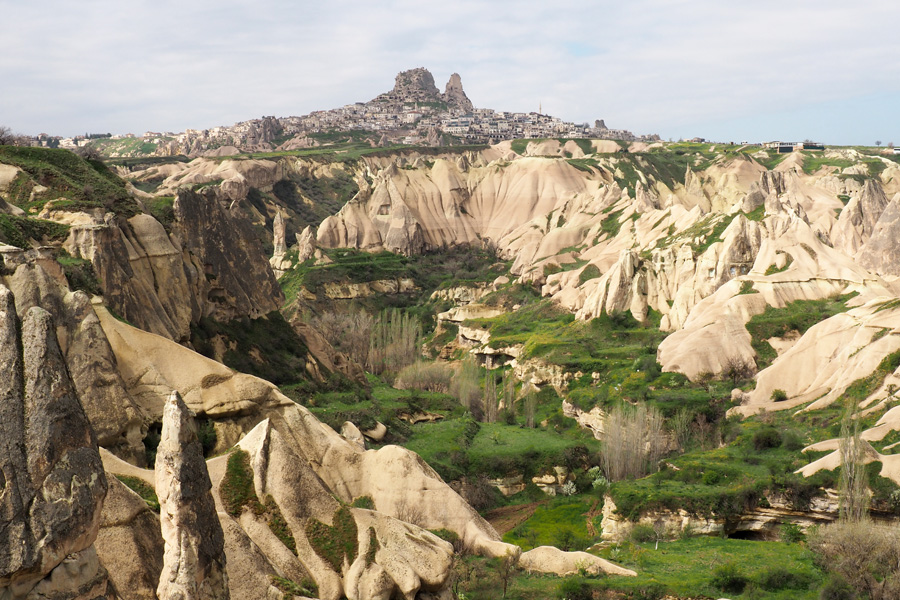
(210, 265)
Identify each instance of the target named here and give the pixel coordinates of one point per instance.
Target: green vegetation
(267, 347)
(237, 490)
(797, 316)
(79, 274)
(85, 184)
(18, 230)
(862, 388)
(142, 489)
(162, 209)
(772, 269)
(279, 526)
(363, 502)
(289, 588)
(560, 521)
(431, 271)
(334, 543)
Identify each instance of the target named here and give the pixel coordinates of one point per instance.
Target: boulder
(547, 559)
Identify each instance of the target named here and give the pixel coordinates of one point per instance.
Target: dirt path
(507, 518)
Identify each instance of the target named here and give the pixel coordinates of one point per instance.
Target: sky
(824, 70)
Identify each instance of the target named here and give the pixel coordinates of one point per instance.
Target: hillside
(400, 369)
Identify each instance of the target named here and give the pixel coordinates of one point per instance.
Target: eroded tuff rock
(211, 265)
(129, 543)
(231, 275)
(53, 484)
(37, 280)
(881, 252)
(391, 556)
(194, 559)
(454, 94)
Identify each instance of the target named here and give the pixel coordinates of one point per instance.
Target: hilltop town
(414, 112)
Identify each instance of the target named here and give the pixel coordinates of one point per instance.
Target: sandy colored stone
(547, 559)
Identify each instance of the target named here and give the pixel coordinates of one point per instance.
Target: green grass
(162, 209)
(556, 521)
(237, 489)
(686, 567)
(142, 489)
(796, 316)
(334, 543)
(84, 184)
(20, 230)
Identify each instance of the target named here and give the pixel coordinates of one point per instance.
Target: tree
(7, 137)
(737, 368)
(633, 441)
(530, 407)
(877, 142)
(490, 401)
(853, 491)
(864, 554)
(506, 568)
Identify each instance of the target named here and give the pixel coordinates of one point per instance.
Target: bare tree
(737, 368)
(865, 554)
(530, 408)
(465, 386)
(506, 568)
(853, 490)
(633, 441)
(490, 401)
(7, 137)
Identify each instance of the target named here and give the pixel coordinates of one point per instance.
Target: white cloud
(646, 65)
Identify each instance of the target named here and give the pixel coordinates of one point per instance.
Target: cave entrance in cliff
(754, 536)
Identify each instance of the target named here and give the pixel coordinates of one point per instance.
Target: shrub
(836, 589)
(363, 502)
(765, 438)
(791, 533)
(430, 377)
(642, 533)
(779, 578)
(574, 589)
(729, 578)
(779, 396)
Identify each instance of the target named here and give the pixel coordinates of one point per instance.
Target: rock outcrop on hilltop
(53, 483)
(454, 95)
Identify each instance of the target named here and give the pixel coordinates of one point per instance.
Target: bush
(766, 438)
(642, 533)
(574, 589)
(429, 377)
(779, 578)
(837, 589)
(779, 396)
(729, 578)
(791, 533)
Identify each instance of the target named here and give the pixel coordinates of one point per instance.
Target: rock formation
(52, 478)
(194, 560)
(455, 96)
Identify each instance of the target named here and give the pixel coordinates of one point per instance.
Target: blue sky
(792, 69)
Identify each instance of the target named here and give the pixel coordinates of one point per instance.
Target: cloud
(645, 65)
